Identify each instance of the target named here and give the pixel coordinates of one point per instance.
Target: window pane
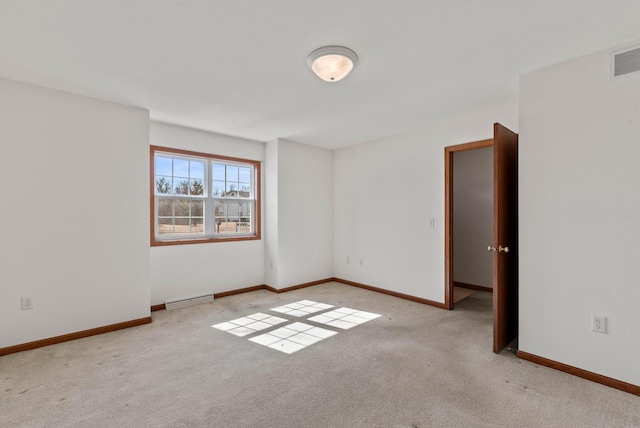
(218, 188)
(233, 216)
(182, 208)
(181, 226)
(196, 169)
(163, 185)
(165, 208)
(245, 190)
(163, 166)
(181, 168)
(232, 190)
(246, 207)
(232, 173)
(219, 209)
(197, 208)
(226, 226)
(181, 187)
(165, 226)
(196, 187)
(218, 172)
(232, 208)
(197, 225)
(222, 223)
(245, 175)
(244, 226)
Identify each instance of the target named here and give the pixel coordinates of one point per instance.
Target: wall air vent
(625, 62)
(175, 304)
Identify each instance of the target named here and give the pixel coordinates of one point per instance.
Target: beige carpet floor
(460, 293)
(415, 366)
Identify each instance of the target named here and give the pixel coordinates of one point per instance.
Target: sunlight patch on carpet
(296, 336)
(249, 324)
(302, 308)
(344, 318)
(293, 337)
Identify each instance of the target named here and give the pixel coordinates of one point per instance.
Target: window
(197, 197)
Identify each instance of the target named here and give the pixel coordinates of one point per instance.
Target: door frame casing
(448, 212)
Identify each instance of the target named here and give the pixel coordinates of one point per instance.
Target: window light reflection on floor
(296, 336)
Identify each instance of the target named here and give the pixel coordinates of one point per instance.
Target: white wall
(180, 271)
(473, 216)
(384, 193)
(74, 213)
(300, 214)
(271, 214)
(579, 214)
(305, 213)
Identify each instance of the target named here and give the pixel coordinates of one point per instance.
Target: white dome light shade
(332, 63)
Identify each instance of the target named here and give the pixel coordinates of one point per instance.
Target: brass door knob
(501, 249)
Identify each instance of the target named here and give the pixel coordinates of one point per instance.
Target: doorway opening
(494, 221)
(471, 220)
(472, 225)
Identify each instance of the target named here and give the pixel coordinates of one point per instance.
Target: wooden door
(505, 237)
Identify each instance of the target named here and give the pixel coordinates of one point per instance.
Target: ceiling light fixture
(332, 63)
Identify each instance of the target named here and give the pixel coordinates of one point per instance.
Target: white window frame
(210, 226)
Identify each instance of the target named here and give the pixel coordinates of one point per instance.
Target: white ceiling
(238, 67)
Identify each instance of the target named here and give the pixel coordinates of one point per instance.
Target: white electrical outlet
(598, 324)
(432, 222)
(361, 262)
(27, 303)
